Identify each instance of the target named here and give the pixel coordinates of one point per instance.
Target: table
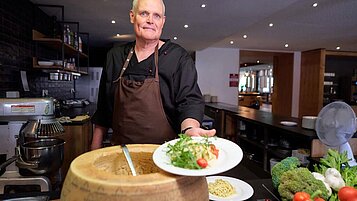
(260, 193)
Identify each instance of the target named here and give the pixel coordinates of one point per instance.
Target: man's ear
(163, 21)
(131, 15)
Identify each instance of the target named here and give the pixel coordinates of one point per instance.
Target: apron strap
(157, 62)
(125, 66)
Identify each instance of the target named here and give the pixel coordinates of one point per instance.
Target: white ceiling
(332, 23)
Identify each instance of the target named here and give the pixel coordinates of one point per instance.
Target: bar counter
(263, 118)
(264, 134)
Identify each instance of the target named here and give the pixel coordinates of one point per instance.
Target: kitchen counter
(75, 111)
(259, 133)
(266, 119)
(260, 193)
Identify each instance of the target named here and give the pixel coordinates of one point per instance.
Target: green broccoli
(281, 167)
(300, 180)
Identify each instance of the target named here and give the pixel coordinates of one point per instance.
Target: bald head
(135, 6)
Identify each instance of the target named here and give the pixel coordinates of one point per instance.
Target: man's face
(148, 20)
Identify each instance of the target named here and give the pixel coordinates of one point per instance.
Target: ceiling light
(203, 6)
(314, 5)
(175, 38)
(271, 24)
(338, 47)
(186, 26)
(286, 45)
(118, 35)
(258, 61)
(245, 36)
(231, 42)
(113, 21)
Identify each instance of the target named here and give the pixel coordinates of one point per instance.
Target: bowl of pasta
(197, 156)
(228, 188)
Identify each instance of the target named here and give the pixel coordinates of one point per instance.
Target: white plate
(288, 123)
(243, 190)
(45, 63)
(230, 154)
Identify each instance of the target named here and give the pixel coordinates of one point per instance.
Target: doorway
(264, 75)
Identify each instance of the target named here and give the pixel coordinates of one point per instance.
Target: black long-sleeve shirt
(179, 90)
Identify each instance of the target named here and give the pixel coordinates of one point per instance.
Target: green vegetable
(182, 153)
(349, 174)
(300, 180)
(281, 167)
(333, 159)
(339, 161)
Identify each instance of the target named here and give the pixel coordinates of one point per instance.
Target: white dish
(288, 123)
(243, 190)
(45, 63)
(230, 154)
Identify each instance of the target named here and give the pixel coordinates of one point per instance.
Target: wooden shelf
(56, 44)
(56, 68)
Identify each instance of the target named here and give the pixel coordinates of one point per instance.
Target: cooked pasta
(221, 188)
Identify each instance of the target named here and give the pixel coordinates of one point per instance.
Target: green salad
(191, 154)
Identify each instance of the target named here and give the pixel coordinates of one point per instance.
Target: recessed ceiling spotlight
(231, 42)
(245, 64)
(113, 21)
(186, 26)
(175, 38)
(258, 61)
(118, 35)
(203, 6)
(245, 36)
(315, 4)
(286, 45)
(271, 24)
(338, 47)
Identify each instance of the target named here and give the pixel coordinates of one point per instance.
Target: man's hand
(200, 132)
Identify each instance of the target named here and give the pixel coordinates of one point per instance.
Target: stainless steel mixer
(29, 129)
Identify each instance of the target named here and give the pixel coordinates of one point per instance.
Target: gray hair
(135, 6)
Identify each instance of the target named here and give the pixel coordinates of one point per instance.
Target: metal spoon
(128, 159)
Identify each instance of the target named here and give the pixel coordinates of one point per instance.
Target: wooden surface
(283, 84)
(311, 82)
(318, 149)
(56, 44)
(249, 99)
(78, 139)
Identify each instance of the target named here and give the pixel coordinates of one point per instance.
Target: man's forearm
(98, 134)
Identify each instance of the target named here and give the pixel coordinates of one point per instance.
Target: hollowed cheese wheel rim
(85, 177)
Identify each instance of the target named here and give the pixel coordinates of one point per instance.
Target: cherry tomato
(301, 196)
(214, 150)
(318, 199)
(202, 162)
(347, 193)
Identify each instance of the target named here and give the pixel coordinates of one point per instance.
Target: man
(148, 91)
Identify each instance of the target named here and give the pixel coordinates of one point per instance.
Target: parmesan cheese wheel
(104, 174)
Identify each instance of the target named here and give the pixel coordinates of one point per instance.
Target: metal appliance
(28, 132)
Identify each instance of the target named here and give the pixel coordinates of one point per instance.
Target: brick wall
(17, 19)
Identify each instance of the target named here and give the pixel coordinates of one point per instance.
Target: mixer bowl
(42, 156)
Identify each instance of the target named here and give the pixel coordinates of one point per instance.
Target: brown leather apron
(139, 116)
